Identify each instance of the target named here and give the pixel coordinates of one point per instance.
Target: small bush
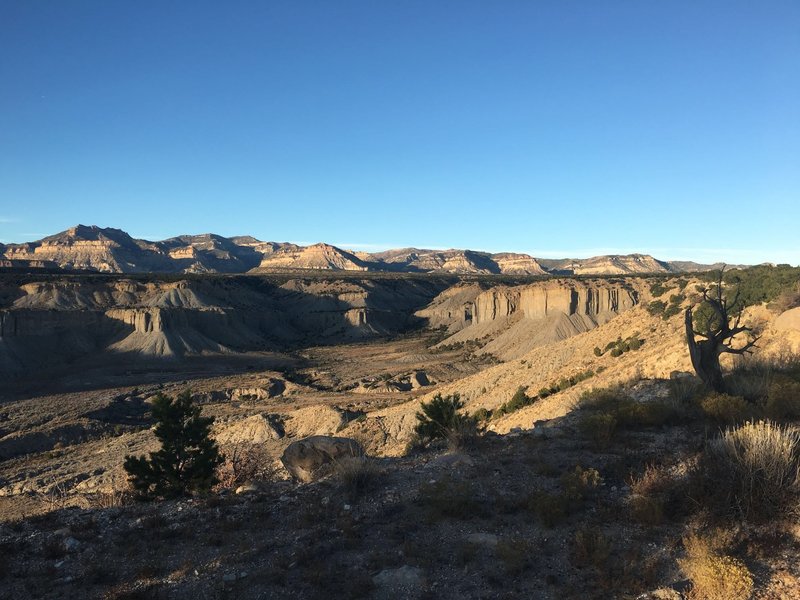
(577, 484)
(783, 399)
(683, 391)
(714, 576)
(481, 415)
(597, 351)
(726, 409)
(356, 475)
(752, 471)
(463, 433)
(244, 463)
(599, 428)
(658, 289)
(615, 352)
(439, 417)
(590, 547)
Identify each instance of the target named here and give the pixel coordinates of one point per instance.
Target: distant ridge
(109, 250)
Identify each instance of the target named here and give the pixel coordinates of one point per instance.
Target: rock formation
(111, 250)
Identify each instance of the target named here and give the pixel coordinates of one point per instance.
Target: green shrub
(597, 351)
(577, 484)
(783, 399)
(599, 428)
(656, 308)
(188, 458)
(657, 289)
(726, 409)
(439, 416)
(481, 415)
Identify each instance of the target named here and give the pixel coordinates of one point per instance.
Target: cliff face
(541, 301)
(318, 256)
(517, 319)
(114, 251)
(49, 323)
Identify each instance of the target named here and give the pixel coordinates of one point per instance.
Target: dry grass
(357, 475)
(714, 575)
(783, 399)
(752, 471)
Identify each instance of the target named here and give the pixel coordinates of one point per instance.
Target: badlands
(556, 492)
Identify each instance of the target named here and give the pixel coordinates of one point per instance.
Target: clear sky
(560, 128)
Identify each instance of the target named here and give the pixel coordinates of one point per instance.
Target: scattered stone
(404, 582)
(483, 539)
(247, 488)
(71, 544)
(307, 459)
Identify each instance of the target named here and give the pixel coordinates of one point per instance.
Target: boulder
(419, 379)
(252, 430)
(405, 582)
(788, 320)
(307, 459)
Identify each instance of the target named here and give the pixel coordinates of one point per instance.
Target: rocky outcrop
(519, 318)
(114, 251)
(541, 301)
(318, 257)
(308, 459)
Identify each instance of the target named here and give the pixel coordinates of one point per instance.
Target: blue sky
(562, 128)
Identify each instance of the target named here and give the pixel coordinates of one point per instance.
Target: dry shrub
(599, 429)
(515, 554)
(112, 499)
(726, 409)
(357, 475)
(590, 547)
(550, 508)
(684, 390)
(577, 484)
(714, 575)
(244, 463)
(752, 471)
(462, 434)
(650, 493)
(783, 399)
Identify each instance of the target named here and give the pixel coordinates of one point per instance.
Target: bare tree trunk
(705, 357)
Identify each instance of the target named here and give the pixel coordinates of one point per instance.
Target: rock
(450, 461)
(419, 379)
(252, 430)
(270, 389)
(788, 320)
(404, 582)
(71, 544)
(308, 458)
(661, 594)
(680, 374)
(247, 488)
(483, 539)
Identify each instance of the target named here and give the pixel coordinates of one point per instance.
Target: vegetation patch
(751, 472)
(714, 575)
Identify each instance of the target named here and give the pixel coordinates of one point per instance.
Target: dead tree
(722, 325)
